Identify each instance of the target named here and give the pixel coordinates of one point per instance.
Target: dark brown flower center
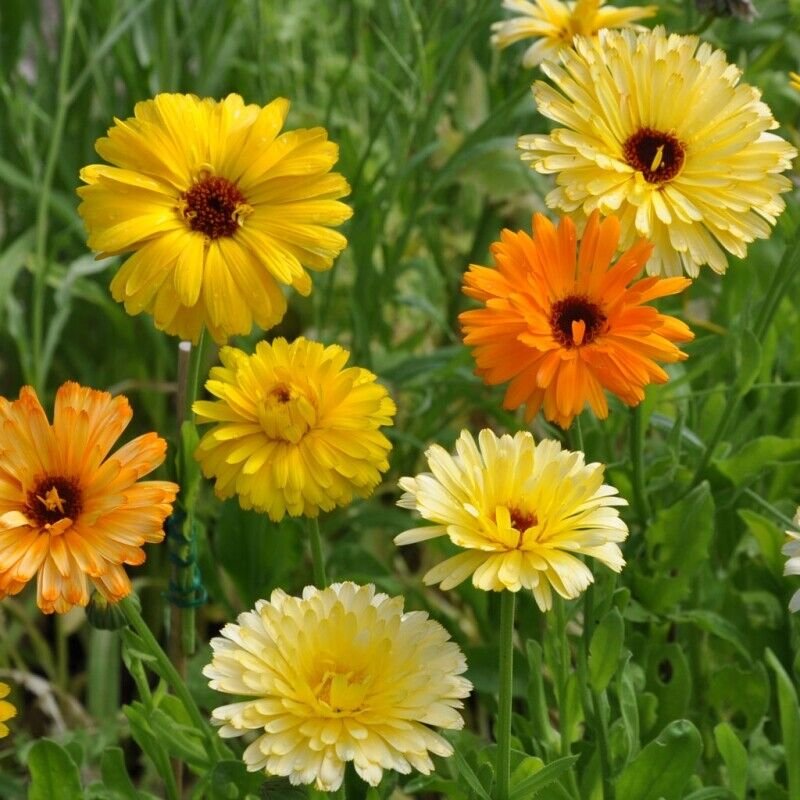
(658, 156)
(214, 207)
(521, 520)
(576, 321)
(53, 499)
(282, 393)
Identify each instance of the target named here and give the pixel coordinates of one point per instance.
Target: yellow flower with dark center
(553, 24)
(296, 431)
(7, 711)
(521, 512)
(660, 131)
(69, 511)
(219, 209)
(341, 674)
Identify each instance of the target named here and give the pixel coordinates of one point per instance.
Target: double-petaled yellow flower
(659, 130)
(296, 431)
(219, 209)
(341, 674)
(520, 512)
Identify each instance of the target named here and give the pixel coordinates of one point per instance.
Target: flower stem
(562, 670)
(317, 559)
(166, 670)
(636, 437)
(63, 99)
(507, 601)
(781, 279)
(595, 709)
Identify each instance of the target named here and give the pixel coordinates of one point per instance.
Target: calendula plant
(399, 399)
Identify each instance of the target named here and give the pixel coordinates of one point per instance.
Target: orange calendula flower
(69, 511)
(563, 326)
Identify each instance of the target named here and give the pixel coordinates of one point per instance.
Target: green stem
(781, 279)
(595, 709)
(45, 189)
(317, 559)
(167, 671)
(579, 434)
(507, 600)
(562, 679)
(196, 359)
(636, 437)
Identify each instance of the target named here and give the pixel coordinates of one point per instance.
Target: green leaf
(54, 775)
(605, 649)
(716, 625)
(734, 754)
(769, 536)
(748, 362)
(629, 708)
(664, 766)
(670, 678)
(790, 722)
(677, 547)
(755, 456)
(230, 780)
(544, 777)
(465, 771)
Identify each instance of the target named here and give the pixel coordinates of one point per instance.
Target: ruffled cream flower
(341, 674)
(792, 549)
(521, 513)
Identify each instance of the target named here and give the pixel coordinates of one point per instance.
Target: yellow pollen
(52, 500)
(657, 158)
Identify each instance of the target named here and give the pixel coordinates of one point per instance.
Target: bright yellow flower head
(296, 431)
(794, 81)
(658, 130)
(521, 512)
(69, 511)
(792, 549)
(7, 711)
(554, 23)
(339, 675)
(219, 209)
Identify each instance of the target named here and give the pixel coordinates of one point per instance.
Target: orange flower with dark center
(69, 511)
(562, 324)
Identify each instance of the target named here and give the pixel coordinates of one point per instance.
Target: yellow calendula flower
(553, 23)
(218, 208)
(71, 511)
(521, 512)
(794, 81)
(296, 431)
(341, 674)
(660, 131)
(7, 711)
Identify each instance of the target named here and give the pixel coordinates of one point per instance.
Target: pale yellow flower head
(521, 512)
(794, 80)
(660, 131)
(219, 209)
(7, 711)
(792, 549)
(341, 674)
(552, 24)
(296, 430)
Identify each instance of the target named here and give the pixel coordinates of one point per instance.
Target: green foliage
(686, 666)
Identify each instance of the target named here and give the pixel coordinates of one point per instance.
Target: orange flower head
(561, 323)
(69, 511)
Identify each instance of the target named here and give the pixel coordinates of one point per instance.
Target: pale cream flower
(522, 513)
(341, 674)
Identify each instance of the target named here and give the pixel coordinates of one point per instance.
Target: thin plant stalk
(636, 438)
(166, 669)
(781, 280)
(317, 558)
(507, 602)
(63, 99)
